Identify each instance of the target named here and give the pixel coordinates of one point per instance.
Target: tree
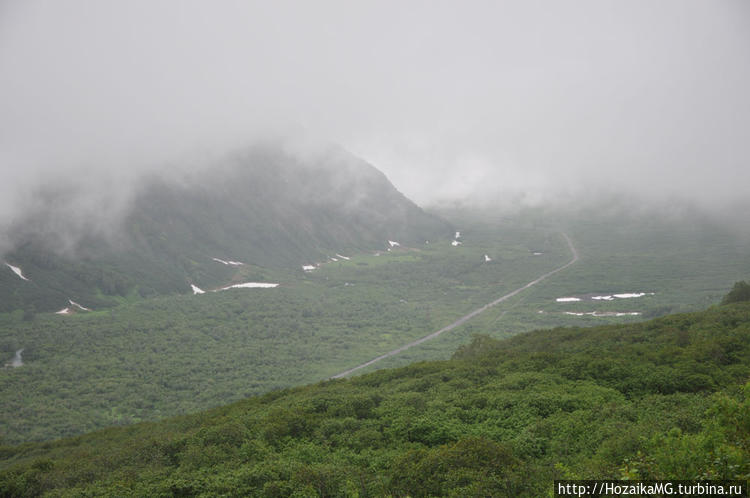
(29, 313)
(740, 292)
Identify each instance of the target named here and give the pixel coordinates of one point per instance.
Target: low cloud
(478, 102)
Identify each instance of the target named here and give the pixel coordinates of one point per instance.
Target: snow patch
(17, 361)
(458, 235)
(17, 271)
(537, 253)
(604, 313)
(82, 308)
(487, 259)
(197, 290)
(607, 297)
(228, 263)
(393, 243)
(309, 267)
(455, 243)
(64, 311)
(625, 295)
(251, 285)
(342, 257)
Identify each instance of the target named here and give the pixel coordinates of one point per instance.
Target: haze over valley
(372, 248)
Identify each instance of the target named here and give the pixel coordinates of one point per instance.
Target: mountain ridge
(265, 206)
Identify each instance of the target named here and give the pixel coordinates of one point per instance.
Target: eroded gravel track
(466, 317)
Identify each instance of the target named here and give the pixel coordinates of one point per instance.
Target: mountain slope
(658, 399)
(266, 206)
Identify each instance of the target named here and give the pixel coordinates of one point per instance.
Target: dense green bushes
(660, 399)
(740, 292)
(168, 355)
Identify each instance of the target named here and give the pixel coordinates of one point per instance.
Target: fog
(527, 101)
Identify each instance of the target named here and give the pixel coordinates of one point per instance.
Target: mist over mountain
(533, 99)
(516, 185)
(268, 205)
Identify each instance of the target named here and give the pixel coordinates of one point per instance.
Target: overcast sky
(449, 99)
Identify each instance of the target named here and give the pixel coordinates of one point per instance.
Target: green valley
(659, 399)
(374, 249)
(153, 358)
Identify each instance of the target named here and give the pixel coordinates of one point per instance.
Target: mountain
(660, 399)
(266, 207)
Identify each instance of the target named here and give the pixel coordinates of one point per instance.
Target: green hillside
(148, 359)
(265, 207)
(170, 355)
(667, 398)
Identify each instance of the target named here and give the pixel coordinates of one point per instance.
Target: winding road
(466, 317)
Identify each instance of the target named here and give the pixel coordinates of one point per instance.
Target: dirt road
(466, 317)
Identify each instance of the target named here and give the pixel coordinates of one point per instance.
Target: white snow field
(17, 271)
(250, 285)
